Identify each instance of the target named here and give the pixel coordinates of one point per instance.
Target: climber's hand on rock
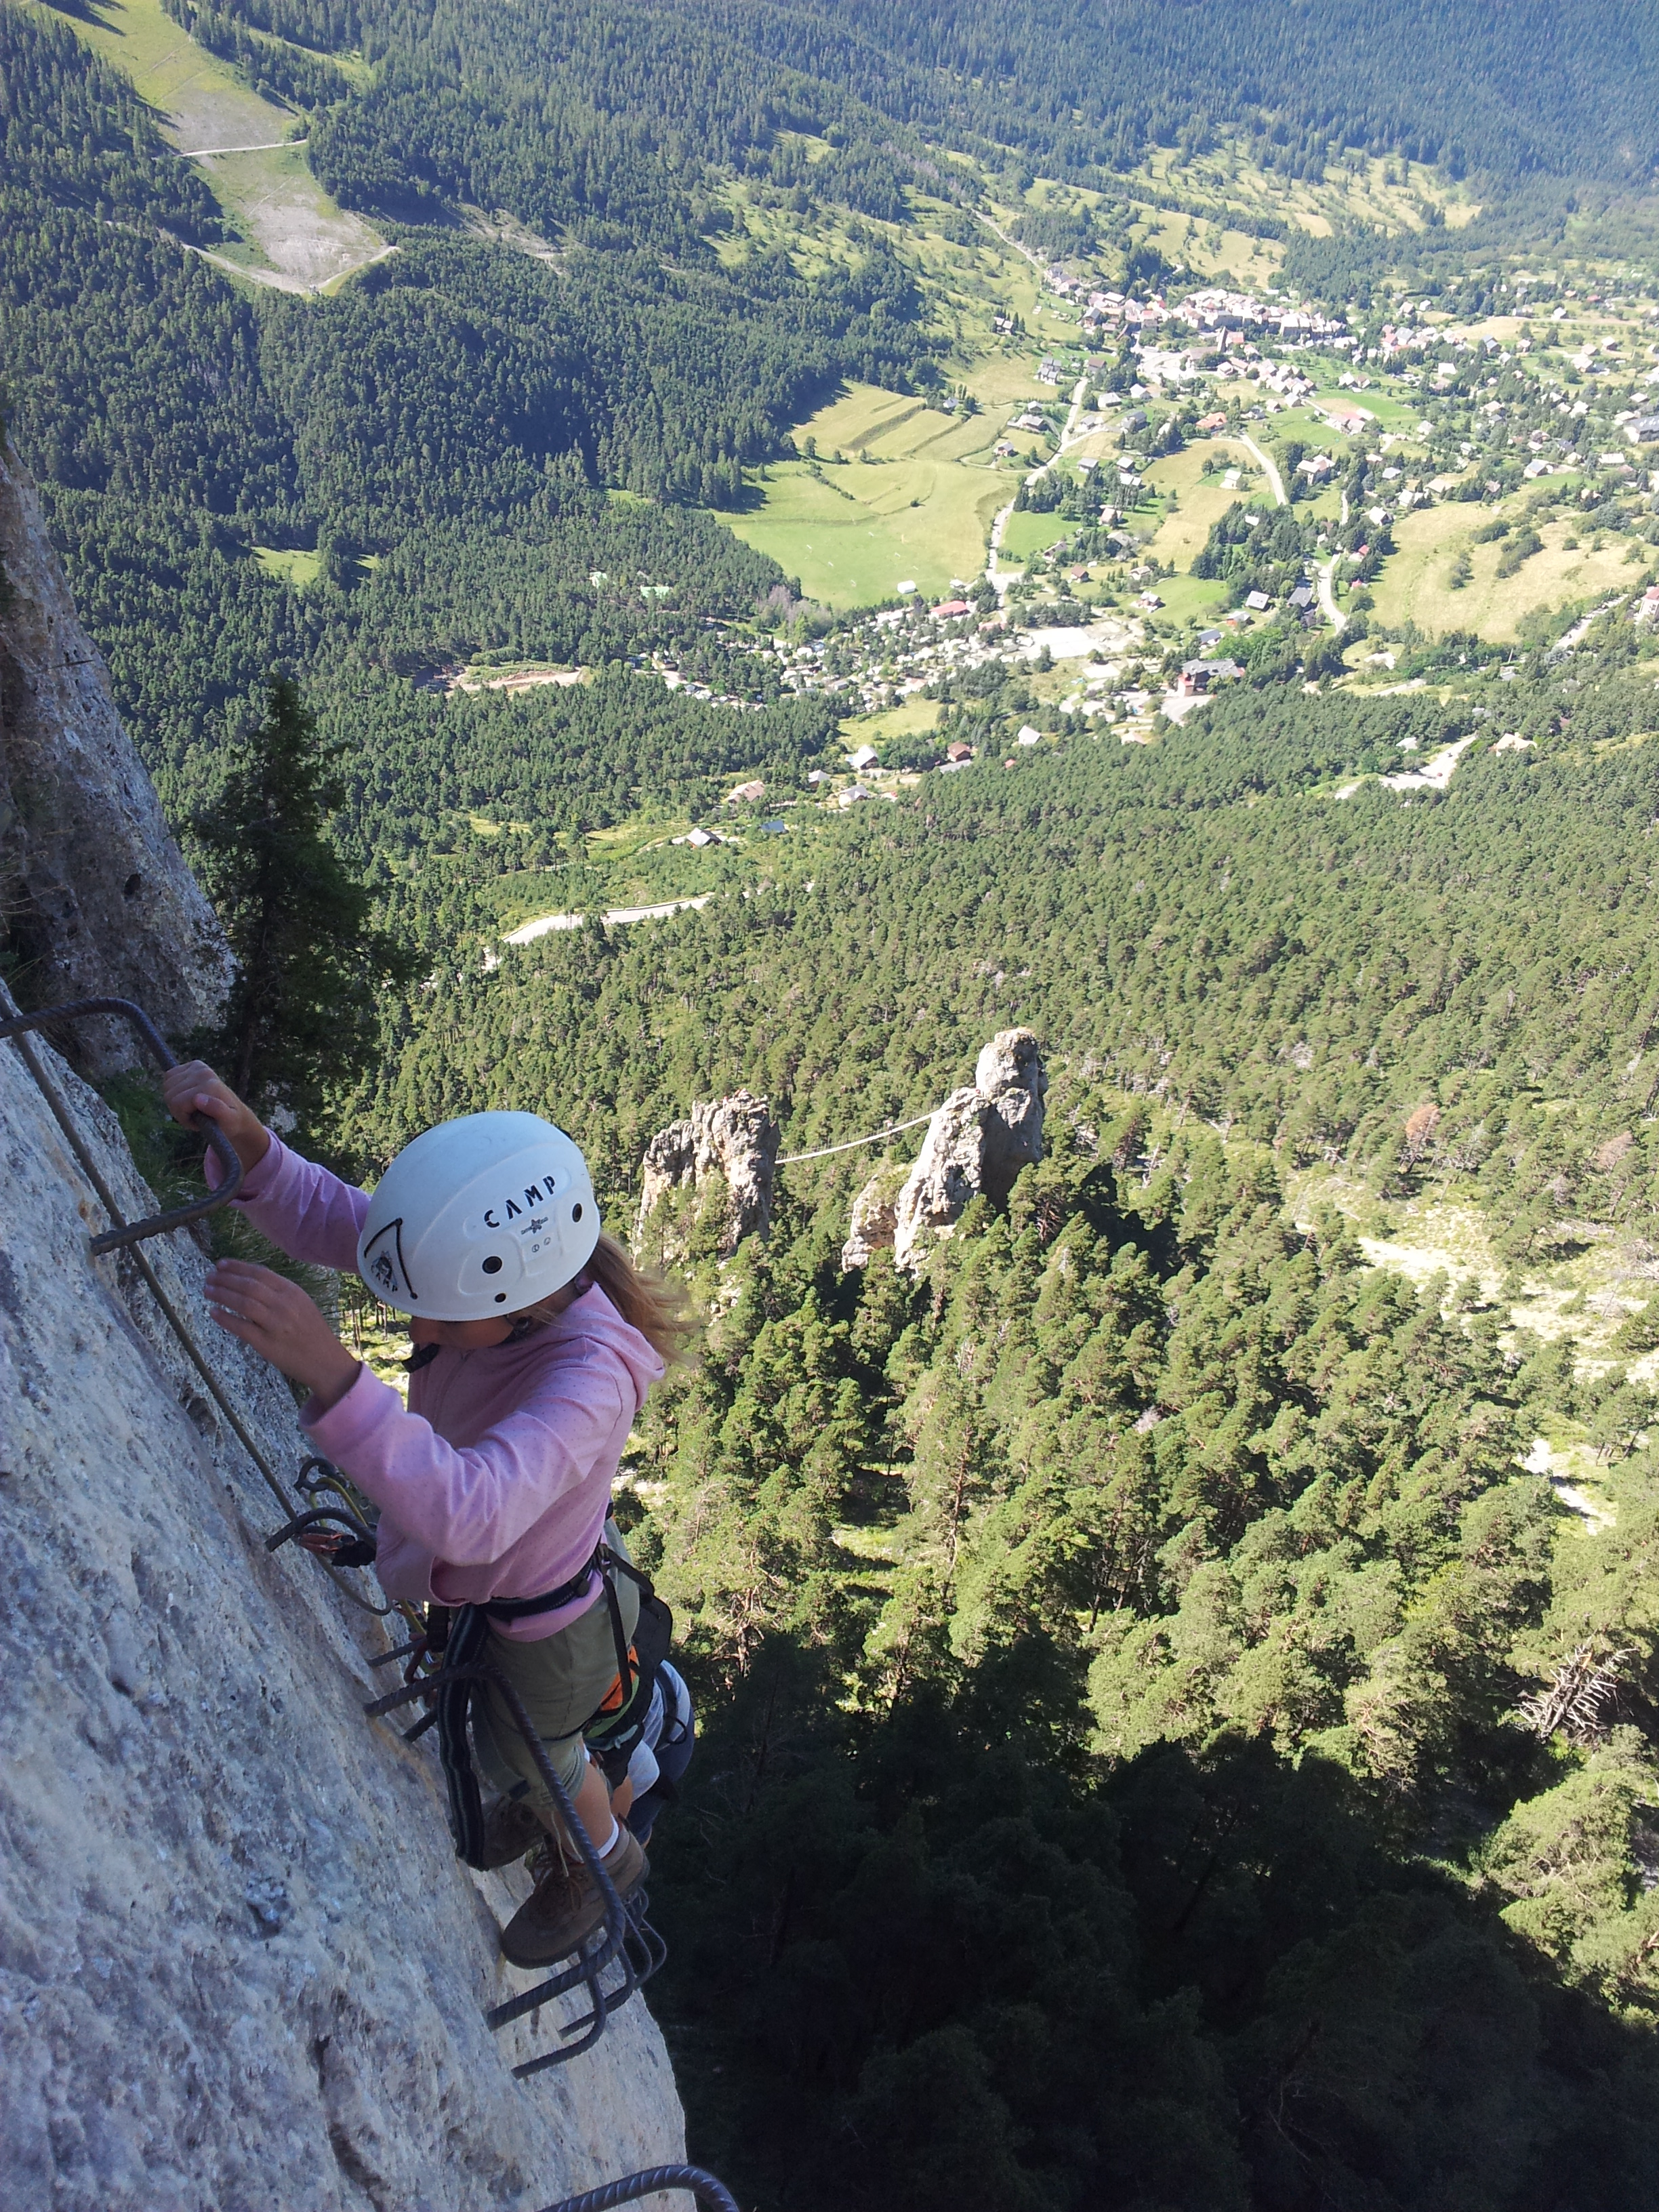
(195, 1089)
(282, 1325)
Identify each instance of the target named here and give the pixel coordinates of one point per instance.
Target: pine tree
(299, 1023)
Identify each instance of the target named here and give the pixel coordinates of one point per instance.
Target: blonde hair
(654, 1304)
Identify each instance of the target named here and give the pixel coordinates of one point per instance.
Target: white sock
(610, 1842)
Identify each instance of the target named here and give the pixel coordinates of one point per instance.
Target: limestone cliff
(725, 1152)
(241, 1966)
(95, 899)
(977, 1141)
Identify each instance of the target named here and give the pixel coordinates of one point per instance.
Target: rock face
(978, 1140)
(727, 1152)
(240, 1964)
(94, 894)
(875, 1217)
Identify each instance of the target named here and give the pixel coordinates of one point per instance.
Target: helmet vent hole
(576, 1210)
(501, 1297)
(492, 1266)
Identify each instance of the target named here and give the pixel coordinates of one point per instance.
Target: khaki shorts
(563, 1680)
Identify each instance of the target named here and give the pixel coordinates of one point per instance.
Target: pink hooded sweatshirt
(497, 1481)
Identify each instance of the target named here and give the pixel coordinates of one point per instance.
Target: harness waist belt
(520, 1609)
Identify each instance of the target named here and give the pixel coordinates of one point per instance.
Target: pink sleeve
(310, 1213)
(468, 1505)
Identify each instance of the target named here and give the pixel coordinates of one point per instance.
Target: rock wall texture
(725, 1151)
(978, 1140)
(95, 899)
(240, 1964)
(874, 1221)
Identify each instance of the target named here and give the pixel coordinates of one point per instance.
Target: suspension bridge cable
(788, 1159)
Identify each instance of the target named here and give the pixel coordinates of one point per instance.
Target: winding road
(1069, 436)
(1269, 469)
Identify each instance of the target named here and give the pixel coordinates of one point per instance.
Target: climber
(536, 1341)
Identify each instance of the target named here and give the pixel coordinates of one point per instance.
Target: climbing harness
(704, 2186)
(626, 1941)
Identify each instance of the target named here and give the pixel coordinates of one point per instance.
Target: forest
(1160, 1748)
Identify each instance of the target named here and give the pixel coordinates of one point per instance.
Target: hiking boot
(565, 1906)
(510, 1829)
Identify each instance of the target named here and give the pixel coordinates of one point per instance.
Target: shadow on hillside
(932, 1959)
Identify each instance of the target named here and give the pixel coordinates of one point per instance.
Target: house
(772, 828)
(865, 756)
(947, 610)
(1258, 602)
(701, 837)
(1028, 736)
(745, 793)
(1078, 575)
(1206, 423)
(1644, 430)
(1087, 468)
(1316, 467)
(1303, 598)
(1150, 600)
(958, 752)
(852, 794)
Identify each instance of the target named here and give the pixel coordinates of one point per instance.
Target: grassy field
(1415, 584)
(295, 567)
(1201, 500)
(914, 719)
(203, 100)
(293, 235)
(909, 502)
(1026, 533)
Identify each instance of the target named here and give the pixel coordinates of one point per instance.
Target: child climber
(535, 1341)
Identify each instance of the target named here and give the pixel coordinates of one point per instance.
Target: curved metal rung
(318, 1517)
(587, 2029)
(708, 2188)
(644, 1939)
(124, 1233)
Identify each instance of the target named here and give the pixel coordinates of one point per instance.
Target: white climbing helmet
(479, 1217)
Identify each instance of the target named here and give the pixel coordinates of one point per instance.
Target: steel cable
(788, 1159)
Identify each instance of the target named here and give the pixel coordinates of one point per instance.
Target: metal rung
(179, 1217)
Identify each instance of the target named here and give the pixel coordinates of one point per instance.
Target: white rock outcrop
(240, 1967)
(874, 1221)
(94, 894)
(978, 1142)
(726, 1151)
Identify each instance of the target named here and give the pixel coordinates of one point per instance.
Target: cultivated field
(909, 501)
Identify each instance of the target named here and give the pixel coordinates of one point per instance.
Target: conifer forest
(1133, 523)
